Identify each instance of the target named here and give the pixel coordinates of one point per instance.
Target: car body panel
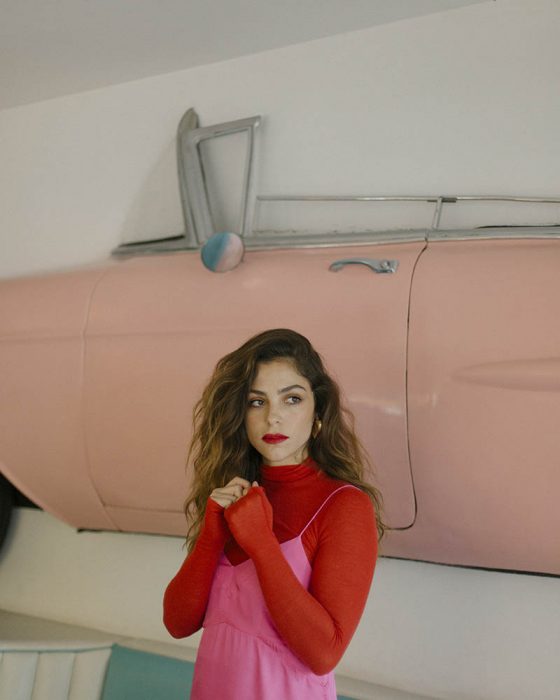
(484, 402)
(41, 359)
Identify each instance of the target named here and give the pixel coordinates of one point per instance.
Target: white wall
(466, 101)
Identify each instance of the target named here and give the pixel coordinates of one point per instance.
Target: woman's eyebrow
(281, 391)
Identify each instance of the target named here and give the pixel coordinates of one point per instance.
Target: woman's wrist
(214, 532)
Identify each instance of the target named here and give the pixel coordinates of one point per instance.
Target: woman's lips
(272, 439)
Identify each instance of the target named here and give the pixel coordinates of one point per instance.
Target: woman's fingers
(222, 499)
(225, 496)
(237, 480)
(235, 489)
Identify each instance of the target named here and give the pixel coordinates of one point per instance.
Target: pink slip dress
(241, 656)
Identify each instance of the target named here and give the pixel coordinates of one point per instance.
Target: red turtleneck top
(341, 545)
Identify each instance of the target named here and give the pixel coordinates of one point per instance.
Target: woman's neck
(289, 472)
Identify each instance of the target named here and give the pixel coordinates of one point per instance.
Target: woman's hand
(215, 531)
(231, 492)
(250, 520)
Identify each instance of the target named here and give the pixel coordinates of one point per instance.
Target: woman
(283, 529)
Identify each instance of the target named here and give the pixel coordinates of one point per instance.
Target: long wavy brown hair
(220, 448)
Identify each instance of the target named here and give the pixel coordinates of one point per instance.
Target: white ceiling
(50, 48)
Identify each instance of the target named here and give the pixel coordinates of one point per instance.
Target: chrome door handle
(375, 265)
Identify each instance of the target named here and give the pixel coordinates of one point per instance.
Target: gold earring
(317, 425)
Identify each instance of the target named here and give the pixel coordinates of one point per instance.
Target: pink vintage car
(445, 343)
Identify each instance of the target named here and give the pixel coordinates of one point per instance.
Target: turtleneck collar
(289, 472)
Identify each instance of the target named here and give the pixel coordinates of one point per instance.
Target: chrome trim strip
(332, 240)
(495, 232)
(294, 240)
(401, 198)
(439, 200)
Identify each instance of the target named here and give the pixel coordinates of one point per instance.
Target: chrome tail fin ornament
(193, 183)
(193, 191)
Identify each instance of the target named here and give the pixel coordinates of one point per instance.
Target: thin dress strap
(325, 501)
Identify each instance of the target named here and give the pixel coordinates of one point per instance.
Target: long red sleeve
(341, 544)
(187, 594)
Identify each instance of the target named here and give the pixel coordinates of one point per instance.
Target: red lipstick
(273, 439)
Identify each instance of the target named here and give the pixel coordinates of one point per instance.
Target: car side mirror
(222, 252)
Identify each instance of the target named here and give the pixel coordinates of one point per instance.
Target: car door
(158, 324)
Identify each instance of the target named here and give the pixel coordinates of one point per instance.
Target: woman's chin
(274, 456)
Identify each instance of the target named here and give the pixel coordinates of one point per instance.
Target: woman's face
(280, 402)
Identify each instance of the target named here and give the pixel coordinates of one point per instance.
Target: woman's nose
(273, 416)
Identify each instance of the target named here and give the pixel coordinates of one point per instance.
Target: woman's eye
(257, 403)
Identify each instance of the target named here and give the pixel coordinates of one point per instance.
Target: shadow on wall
(10, 498)
(155, 211)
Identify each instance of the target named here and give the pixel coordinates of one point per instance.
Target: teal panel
(139, 675)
